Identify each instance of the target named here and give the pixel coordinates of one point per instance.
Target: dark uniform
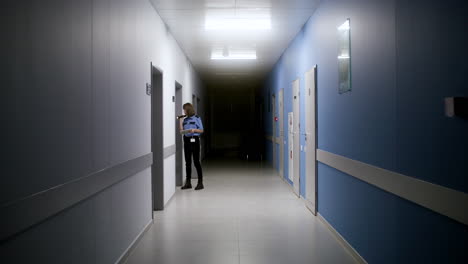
(192, 146)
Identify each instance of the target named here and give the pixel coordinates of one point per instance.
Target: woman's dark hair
(188, 107)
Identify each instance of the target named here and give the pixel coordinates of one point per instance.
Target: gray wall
(74, 103)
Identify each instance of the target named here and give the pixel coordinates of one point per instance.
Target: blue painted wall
(406, 57)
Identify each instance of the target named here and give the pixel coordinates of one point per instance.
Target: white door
(291, 146)
(311, 140)
(281, 132)
(296, 135)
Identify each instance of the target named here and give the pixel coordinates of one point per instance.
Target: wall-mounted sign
(148, 89)
(344, 57)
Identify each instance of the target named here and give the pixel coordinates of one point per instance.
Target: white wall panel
(169, 178)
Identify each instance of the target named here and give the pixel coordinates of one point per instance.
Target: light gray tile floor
(245, 214)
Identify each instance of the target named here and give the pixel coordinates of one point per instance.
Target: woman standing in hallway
(191, 126)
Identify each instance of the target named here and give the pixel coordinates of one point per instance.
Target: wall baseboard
(342, 241)
(128, 252)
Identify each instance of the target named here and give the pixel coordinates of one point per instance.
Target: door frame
(281, 134)
(273, 134)
(179, 159)
(195, 107)
(157, 138)
(311, 137)
(202, 139)
(296, 87)
(291, 155)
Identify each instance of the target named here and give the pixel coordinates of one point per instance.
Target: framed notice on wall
(344, 57)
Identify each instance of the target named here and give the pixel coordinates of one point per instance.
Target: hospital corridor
(234, 132)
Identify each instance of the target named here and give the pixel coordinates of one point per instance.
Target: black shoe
(199, 186)
(188, 185)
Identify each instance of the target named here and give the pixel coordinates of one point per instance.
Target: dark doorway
(157, 169)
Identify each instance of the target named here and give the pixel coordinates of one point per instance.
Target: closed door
(273, 114)
(281, 132)
(291, 154)
(296, 135)
(311, 140)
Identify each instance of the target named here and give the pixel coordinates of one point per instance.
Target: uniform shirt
(193, 122)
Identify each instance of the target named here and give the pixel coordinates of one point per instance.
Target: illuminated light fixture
(344, 26)
(343, 57)
(225, 52)
(221, 54)
(237, 24)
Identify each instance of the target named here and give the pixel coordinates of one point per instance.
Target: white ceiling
(186, 20)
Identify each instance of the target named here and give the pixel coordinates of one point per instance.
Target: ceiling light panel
(278, 4)
(266, 26)
(237, 24)
(238, 20)
(193, 4)
(220, 3)
(220, 54)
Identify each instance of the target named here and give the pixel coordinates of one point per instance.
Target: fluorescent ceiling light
(237, 19)
(344, 26)
(343, 57)
(218, 54)
(237, 24)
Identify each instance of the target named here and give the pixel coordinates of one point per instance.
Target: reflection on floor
(246, 214)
